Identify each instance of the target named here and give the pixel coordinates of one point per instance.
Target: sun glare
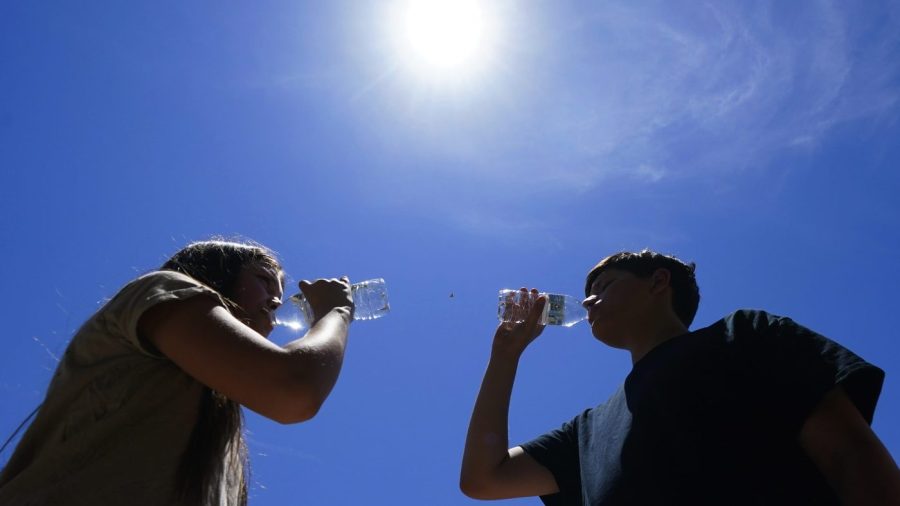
(445, 36)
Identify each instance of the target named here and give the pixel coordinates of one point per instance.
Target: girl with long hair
(144, 407)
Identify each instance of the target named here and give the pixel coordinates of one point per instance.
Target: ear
(660, 280)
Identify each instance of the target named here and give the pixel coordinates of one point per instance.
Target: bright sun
(444, 36)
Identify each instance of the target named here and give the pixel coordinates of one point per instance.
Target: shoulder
(162, 278)
(750, 333)
(765, 327)
(800, 362)
(160, 286)
(121, 315)
(610, 417)
(565, 435)
(750, 318)
(743, 324)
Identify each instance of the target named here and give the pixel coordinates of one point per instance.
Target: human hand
(511, 337)
(323, 295)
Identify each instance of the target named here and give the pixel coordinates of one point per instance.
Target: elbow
(298, 407)
(468, 490)
(294, 415)
(294, 402)
(473, 488)
(301, 391)
(478, 493)
(290, 419)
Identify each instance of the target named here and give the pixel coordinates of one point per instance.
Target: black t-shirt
(709, 417)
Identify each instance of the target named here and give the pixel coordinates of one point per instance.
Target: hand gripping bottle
(369, 298)
(562, 310)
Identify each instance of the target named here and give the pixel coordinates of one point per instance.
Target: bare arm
(287, 384)
(489, 469)
(849, 454)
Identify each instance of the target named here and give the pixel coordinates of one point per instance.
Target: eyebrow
(272, 278)
(603, 278)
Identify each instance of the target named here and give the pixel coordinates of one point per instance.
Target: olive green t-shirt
(118, 415)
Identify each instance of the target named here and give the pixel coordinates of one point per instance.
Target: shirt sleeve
(557, 450)
(125, 309)
(799, 367)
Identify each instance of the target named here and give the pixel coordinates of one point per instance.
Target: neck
(657, 333)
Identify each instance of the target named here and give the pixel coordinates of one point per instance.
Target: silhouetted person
(752, 410)
(144, 407)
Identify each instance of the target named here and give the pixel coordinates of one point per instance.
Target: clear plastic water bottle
(369, 298)
(562, 310)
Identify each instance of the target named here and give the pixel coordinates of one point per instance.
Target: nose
(274, 303)
(588, 301)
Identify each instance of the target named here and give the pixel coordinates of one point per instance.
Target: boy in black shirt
(753, 409)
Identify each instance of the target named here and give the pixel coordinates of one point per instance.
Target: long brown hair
(217, 444)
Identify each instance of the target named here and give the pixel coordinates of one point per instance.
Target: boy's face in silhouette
(619, 303)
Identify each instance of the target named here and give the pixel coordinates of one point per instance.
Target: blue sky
(757, 139)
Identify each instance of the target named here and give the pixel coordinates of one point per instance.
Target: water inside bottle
(371, 300)
(290, 314)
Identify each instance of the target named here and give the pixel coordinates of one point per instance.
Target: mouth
(269, 320)
(592, 315)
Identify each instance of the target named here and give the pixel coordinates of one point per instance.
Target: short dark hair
(685, 292)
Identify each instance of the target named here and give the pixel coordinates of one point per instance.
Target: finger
(537, 310)
(521, 305)
(533, 296)
(539, 304)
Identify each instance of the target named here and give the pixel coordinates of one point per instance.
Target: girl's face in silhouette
(258, 292)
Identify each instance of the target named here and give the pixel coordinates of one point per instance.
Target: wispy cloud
(631, 91)
(720, 87)
(652, 90)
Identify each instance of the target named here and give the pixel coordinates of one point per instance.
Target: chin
(606, 338)
(603, 339)
(600, 336)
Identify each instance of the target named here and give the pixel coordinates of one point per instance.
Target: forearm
(849, 454)
(318, 356)
(328, 334)
(487, 441)
(869, 477)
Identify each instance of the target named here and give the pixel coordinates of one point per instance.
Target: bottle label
(556, 309)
